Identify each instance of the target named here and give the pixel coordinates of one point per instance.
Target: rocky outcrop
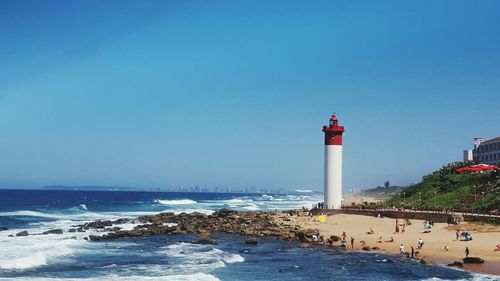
(204, 238)
(253, 224)
(473, 260)
(456, 264)
(53, 231)
(425, 260)
(2, 228)
(251, 241)
(22, 233)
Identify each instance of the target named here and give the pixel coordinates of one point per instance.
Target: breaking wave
(176, 202)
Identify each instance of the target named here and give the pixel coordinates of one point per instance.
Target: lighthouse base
(333, 176)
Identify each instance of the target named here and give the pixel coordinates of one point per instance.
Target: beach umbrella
(321, 218)
(478, 168)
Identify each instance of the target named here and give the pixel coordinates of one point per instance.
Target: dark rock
(2, 228)
(425, 260)
(375, 248)
(22, 233)
(366, 248)
(225, 212)
(72, 230)
(251, 241)
(335, 238)
(204, 240)
(121, 221)
(456, 264)
(251, 224)
(473, 260)
(99, 224)
(94, 238)
(53, 231)
(10, 235)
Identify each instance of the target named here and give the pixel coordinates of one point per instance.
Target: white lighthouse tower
(333, 164)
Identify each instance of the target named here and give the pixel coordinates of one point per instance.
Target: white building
(487, 152)
(468, 155)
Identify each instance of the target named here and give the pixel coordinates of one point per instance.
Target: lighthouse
(333, 163)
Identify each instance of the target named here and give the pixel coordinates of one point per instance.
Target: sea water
(68, 256)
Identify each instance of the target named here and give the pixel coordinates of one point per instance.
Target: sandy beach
(485, 238)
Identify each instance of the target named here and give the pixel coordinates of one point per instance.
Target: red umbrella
(478, 168)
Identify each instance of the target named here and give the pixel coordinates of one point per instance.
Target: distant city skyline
(159, 94)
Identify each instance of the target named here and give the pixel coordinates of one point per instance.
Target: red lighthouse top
(333, 132)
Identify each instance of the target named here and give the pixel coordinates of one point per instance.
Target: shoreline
(370, 234)
(358, 226)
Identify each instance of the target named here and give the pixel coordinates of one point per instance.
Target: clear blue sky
(166, 93)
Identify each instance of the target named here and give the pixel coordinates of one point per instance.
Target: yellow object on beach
(321, 218)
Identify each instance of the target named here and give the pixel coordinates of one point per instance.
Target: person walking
(457, 234)
(466, 252)
(352, 242)
(402, 249)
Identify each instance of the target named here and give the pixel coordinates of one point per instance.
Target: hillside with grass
(447, 189)
(382, 192)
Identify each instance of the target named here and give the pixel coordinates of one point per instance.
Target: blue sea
(62, 257)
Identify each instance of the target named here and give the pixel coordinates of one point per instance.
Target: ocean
(68, 256)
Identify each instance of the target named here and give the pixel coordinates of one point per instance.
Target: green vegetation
(446, 189)
(382, 193)
(489, 201)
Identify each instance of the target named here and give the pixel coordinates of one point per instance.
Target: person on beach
(457, 234)
(352, 242)
(412, 252)
(466, 252)
(344, 236)
(420, 243)
(402, 249)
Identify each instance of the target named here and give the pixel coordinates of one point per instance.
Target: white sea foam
(251, 207)
(176, 202)
(303, 190)
(234, 201)
(200, 276)
(25, 252)
(204, 211)
(475, 277)
(32, 251)
(84, 207)
(81, 216)
(200, 257)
